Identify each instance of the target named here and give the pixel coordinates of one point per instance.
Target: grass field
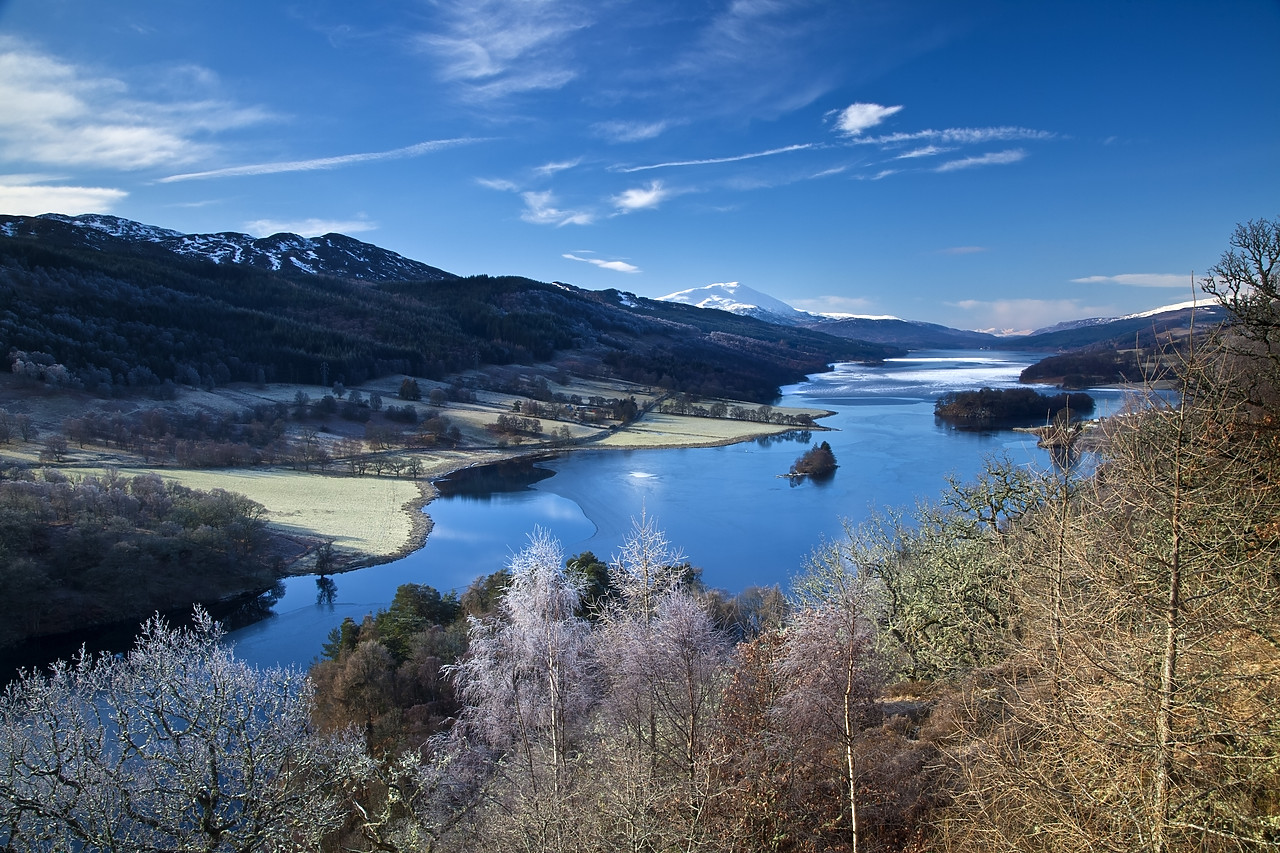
(367, 515)
(661, 430)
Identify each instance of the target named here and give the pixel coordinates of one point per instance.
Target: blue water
(725, 507)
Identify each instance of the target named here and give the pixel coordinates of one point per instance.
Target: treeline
(96, 549)
(688, 404)
(123, 323)
(989, 407)
(1087, 368)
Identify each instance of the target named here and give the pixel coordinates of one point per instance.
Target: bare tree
(175, 746)
(830, 671)
(1137, 713)
(1246, 281)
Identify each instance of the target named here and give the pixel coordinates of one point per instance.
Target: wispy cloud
(748, 58)
(308, 227)
(995, 158)
(549, 169)
(1138, 280)
(24, 199)
(711, 161)
(56, 113)
(500, 184)
(630, 131)
(540, 209)
(926, 151)
(962, 250)
(959, 136)
(321, 163)
(826, 173)
(855, 118)
(641, 198)
(495, 48)
(616, 266)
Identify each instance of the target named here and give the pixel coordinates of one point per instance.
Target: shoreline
(421, 523)
(374, 520)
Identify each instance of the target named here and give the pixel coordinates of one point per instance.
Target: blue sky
(987, 165)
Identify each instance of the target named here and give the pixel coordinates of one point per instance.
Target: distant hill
(115, 306)
(909, 334)
(1146, 328)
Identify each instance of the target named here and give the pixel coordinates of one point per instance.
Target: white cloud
(1138, 280)
(959, 136)
(540, 209)
(826, 173)
(856, 118)
(321, 163)
(995, 158)
(500, 184)
(1012, 316)
(23, 199)
(716, 160)
(641, 198)
(616, 266)
(630, 131)
(496, 48)
(65, 115)
(549, 169)
(308, 227)
(926, 151)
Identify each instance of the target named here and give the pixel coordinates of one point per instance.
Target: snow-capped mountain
(1206, 309)
(331, 254)
(739, 299)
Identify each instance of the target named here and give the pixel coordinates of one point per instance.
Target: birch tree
(527, 684)
(830, 673)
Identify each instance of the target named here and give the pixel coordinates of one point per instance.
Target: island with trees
(994, 408)
(818, 461)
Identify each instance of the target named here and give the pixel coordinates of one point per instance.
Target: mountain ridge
(329, 254)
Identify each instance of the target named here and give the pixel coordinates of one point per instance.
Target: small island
(817, 461)
(989, 408)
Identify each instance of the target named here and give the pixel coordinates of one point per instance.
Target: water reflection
(803, 436)
(326, 591)
(482, 482)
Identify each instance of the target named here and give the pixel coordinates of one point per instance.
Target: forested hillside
(120, 322)
(1040, 661)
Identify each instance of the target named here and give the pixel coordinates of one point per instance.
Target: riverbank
(361, 520)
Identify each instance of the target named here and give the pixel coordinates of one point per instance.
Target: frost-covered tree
(174, 746)
(527, 679)
(663, 662)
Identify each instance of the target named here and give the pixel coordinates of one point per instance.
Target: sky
(985, 165)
